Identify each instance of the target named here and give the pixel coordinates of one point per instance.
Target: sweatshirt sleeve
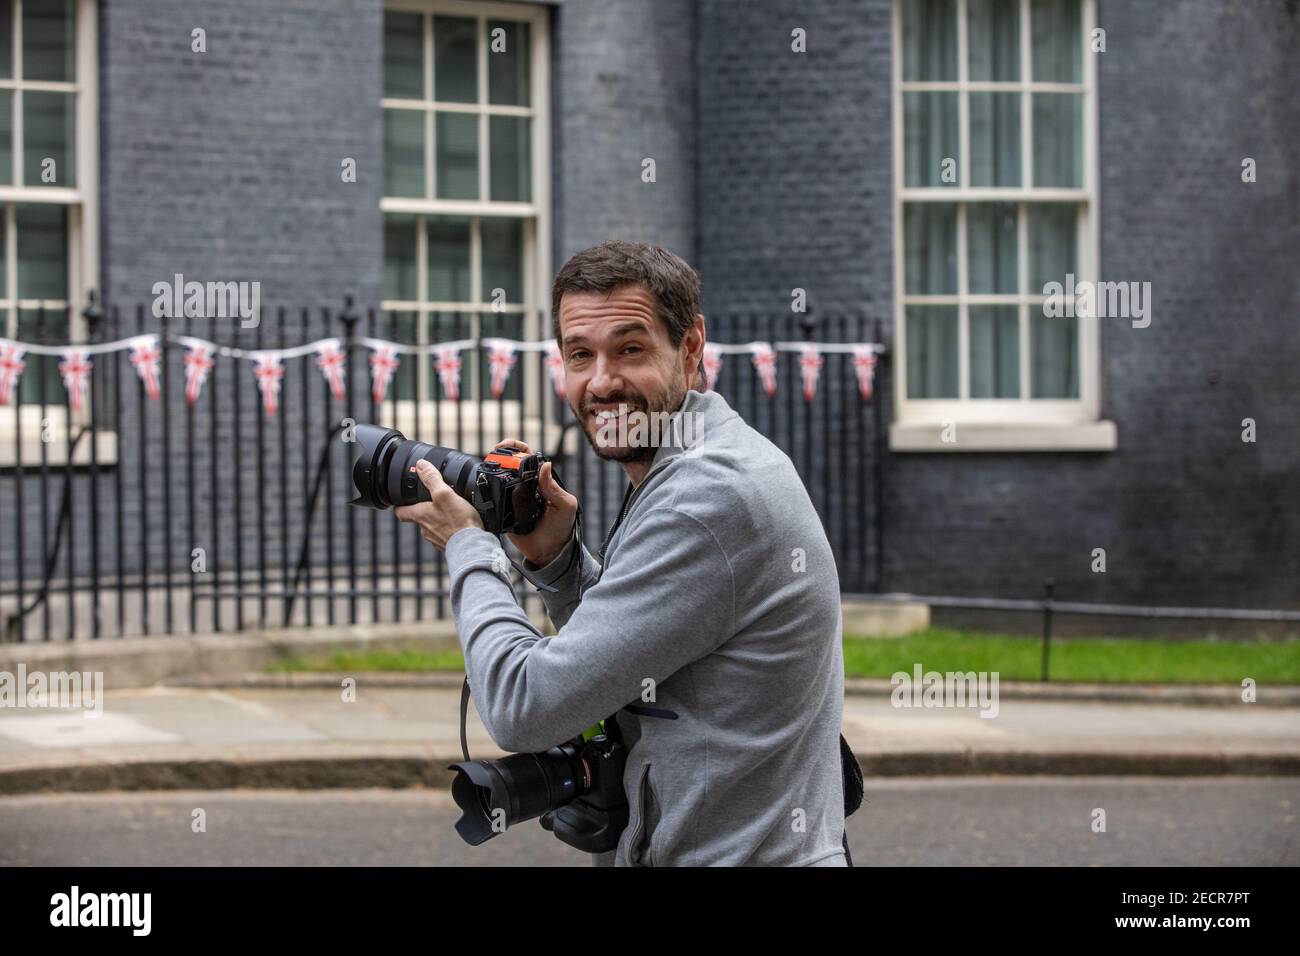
(666, 598)
(571, 577)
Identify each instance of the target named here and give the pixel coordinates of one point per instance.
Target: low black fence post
(94, 315)
(350, 318)
(1047, 628)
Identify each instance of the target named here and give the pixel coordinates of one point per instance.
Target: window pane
(930, 137)
(508, 63)
(49, 41)
(507, 326)
(503, 259)
(993, 36)
(1057, 41)
(44, 327)
(455, 65)
(402, 327)
(991, 248)
(930, 236)
(448, 327)
(404, 153)
(6, 39)
(994, 351)
(995, 139)
(6, 138)
(404, 55)
(1052, 245)
(400, 281)
(4, 274)
(49, 133)
(449, 260)
(930, 40)
(511, 165)
(42, 251)
(932, 351)
(1058, 137)
(457, 160)
(1053, 347)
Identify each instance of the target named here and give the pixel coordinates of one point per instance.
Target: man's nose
(605, 379)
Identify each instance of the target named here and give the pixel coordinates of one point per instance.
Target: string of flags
(145, 353)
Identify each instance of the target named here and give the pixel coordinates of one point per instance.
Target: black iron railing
(137, 515)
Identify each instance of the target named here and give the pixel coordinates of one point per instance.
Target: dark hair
(616, 263)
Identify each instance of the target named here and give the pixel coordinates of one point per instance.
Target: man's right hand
(545, 542)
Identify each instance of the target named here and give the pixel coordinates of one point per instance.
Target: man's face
(617, 353)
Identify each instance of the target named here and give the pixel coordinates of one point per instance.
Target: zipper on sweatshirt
(628, 497)
(627, 500)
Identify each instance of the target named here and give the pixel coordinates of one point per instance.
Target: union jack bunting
(11, 369)
(810, 366)
(712, 365)
(555, 365)
(269, 373)
(383, 365)
(448, 366)
(864, 366)
(331, 360)
(75, 368)
(765, 363)
(501, 359)
(146, 356)
(198, 362)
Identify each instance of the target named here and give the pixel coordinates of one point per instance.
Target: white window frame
(535, 214)
(1025, 424)
(82, 202)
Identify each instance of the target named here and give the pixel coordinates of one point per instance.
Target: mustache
(629, 401)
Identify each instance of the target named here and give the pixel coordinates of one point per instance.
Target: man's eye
(574, 356)
(633, 348)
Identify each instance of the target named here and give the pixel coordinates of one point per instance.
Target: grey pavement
(174, 737)
(940, 821)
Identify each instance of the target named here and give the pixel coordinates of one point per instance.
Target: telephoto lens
(497, 794)
(576, 789)
(501, 486)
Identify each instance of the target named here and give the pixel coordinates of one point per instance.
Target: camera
(576, 789)
(502, 485)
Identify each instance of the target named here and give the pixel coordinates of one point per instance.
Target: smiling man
(710, 622)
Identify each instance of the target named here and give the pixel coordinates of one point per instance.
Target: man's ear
(694, 340)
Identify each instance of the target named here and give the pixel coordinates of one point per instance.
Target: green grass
(1093, 659)
(404, 660)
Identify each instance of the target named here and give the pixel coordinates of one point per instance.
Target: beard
(667, 400)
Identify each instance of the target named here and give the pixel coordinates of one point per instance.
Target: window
(994, 196)
(466, 195)
(48, 257)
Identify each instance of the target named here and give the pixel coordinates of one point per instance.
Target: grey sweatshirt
(718, 601)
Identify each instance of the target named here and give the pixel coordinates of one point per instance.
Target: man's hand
(442, 517)
(545, 542)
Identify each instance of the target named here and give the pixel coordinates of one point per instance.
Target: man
(711, 628)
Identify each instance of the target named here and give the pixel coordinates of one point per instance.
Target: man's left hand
(443, 516)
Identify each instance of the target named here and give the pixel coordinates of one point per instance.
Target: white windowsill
(1012, 437)
(56, 449)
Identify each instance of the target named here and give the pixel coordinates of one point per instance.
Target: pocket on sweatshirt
(639, 847)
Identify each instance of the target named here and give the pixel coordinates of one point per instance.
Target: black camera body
(576, 789)
(502, 486)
